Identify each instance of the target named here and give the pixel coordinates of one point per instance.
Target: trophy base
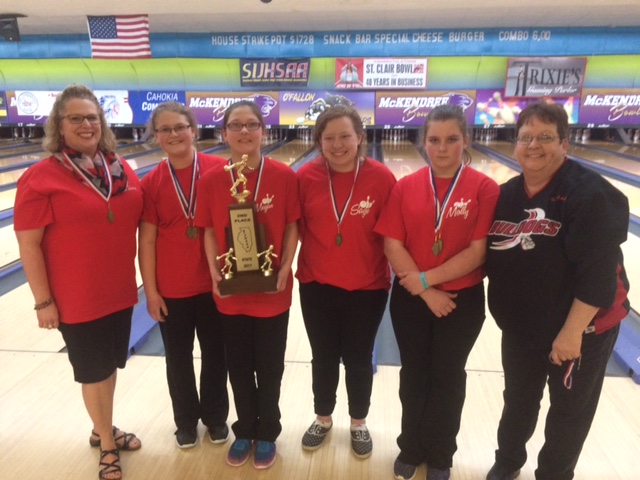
(248, 282)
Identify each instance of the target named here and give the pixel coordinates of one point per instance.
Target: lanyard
(188, 205)
(340, 214)
(441, 207)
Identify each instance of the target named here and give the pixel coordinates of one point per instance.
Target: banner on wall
(29, 107)
(395, 109)
(209, 107)
(303, 108)
(494, 110)
(3, 108)
(144, 102)
(381, 73)
(274, 72)
(115, 105)
(602, 107)
(545, 76)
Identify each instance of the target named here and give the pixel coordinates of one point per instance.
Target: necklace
(340, 214)
(441, 207)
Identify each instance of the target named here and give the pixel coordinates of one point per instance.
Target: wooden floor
(44, 427)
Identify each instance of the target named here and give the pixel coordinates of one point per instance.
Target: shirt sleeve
(32, 208)
(391, 224)
(149, 192)
(597, 225)
(488, 194)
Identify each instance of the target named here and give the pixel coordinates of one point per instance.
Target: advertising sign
(142, 103)
(602, 107)
(29, 107)
(381, 73)
(545, 76)
(303, 108)
(274, 72)
(410, 109)
(209, 107)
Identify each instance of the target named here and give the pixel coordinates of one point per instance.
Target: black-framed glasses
(78, 119)
(181, 127)
(237, 126)
(543, 138)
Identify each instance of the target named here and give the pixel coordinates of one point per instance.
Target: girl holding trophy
(253, 302)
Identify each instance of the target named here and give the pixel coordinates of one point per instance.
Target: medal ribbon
(83, 175)
(260, 167)
(440, 208)
(340, 215)
(188, 205)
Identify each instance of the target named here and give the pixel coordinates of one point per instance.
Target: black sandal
(109, 467)
(123, 442)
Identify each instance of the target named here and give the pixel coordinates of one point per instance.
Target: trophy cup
(247, 266)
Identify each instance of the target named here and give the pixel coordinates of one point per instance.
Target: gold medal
(437, 247)
(338, 239)
(192, 232)
(110, 216)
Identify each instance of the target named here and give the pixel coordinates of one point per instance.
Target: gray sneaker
(361, 442)
(315, 435)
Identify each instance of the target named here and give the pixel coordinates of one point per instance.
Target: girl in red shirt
(343, 273)
(435, 226)
(176, 276)
(255, 324)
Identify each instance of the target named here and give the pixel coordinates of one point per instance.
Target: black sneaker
(315, 435)
(361, 443)
(187, 437)
(403, 471)
(500, 472)
(219, 433)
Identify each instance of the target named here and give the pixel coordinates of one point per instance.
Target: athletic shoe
(187, 437)
(361, 442)
(437, 474)
(315, 434)
(239, 452)
(500, 472)
(403, 471)
(219, 433)
(265, 454)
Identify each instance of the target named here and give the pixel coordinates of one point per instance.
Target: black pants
(433, 352)
(341, 324)
(187, 317)
(255, 357)
(571, 411)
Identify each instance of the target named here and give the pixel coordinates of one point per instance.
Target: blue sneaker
(265, 454)
(403, 471)
(437, 474)
(239, 452)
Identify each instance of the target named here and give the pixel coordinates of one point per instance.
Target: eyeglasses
(181, 127)
(78, 119)
(543, 138)
(237, 126)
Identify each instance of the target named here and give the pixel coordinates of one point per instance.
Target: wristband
(43, 305)
(423, 280)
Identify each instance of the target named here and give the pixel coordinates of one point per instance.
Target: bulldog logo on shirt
(363, 207)
(521, 233)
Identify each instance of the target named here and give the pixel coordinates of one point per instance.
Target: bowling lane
(21, 149)
(602, 158)
(401, 157)
(616, 147)
(291, 151)
(632, 192)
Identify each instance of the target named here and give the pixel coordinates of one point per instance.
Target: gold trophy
(247, 265)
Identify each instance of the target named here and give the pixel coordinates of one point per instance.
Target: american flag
(124, 36)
